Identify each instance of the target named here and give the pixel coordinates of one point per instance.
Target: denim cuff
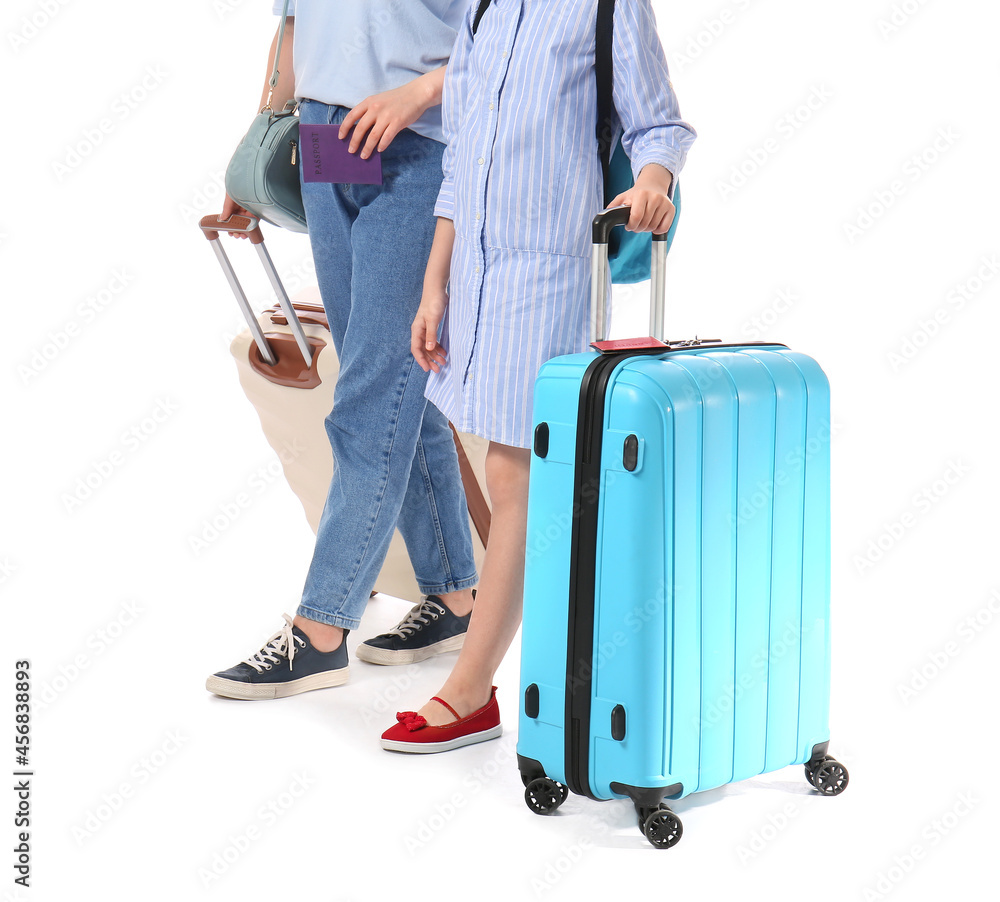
(345, 623)
(456, 585)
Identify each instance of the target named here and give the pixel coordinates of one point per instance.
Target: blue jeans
(394, 457)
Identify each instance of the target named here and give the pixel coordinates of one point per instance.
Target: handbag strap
(483, 6)
(273, 83)
(604, 65)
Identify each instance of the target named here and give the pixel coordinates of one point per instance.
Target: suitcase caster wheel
(543, 796)
(812, 766)
(663, 828)
(828, 776)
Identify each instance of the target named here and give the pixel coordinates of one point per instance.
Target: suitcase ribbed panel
(813, 457)
(776, 664)
(712, 562)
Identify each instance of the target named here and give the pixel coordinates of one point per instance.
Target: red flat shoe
(413, 734)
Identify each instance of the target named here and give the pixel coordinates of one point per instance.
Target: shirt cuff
(445, 206)
(668, 158)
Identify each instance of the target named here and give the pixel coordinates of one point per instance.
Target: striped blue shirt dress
(522, 182)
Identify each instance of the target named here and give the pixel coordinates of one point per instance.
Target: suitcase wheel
(827, 775)
(543, 796)
(661, 827)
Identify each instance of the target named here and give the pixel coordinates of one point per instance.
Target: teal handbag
(629, 253)
(263, 175)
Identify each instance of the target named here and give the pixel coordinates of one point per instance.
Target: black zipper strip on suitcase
(583, 553)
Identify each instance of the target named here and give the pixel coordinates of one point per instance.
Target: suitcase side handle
(604, 222)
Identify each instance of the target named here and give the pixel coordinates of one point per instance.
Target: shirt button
(481, 161)
(477, 269)
(491, 106)
(479, 216)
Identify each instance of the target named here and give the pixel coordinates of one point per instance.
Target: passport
(325, 158)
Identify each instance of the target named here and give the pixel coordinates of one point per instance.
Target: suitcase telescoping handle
(604, 222)
(211, 226)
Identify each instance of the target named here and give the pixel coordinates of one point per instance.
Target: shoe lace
(417, 618)
(281, 645)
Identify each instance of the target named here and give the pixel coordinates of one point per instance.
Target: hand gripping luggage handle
(250, 226)
(604, 222)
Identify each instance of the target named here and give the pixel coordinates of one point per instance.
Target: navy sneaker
(286, 665)
(429, 629)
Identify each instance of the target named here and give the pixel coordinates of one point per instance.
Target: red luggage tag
(326, 158)
(618, 345)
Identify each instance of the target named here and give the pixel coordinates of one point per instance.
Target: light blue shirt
(523, 182)
(347, 50)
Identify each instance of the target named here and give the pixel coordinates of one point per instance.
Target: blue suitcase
(676, 606)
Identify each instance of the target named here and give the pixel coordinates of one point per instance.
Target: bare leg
(459, 603)
(497, 613)
(323, 636)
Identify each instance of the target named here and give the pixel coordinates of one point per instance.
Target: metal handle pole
(604, 222)
(658, 301)
(262, 343)
(285, 304)
(212, 226)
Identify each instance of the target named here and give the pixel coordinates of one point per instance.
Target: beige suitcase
(288, 367)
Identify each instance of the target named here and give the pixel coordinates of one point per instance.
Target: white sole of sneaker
(425, 748)
(234, 689)
(373, 655)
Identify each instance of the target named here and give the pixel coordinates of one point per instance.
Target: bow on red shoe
(411, 720)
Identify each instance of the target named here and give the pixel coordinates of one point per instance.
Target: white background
(119, 126)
